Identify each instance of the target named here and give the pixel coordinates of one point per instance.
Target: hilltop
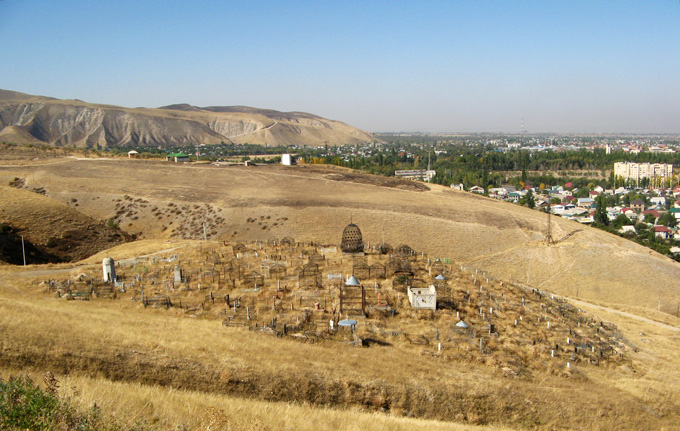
(30, 119)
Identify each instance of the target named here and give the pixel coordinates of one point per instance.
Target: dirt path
(167, 250)
(622, 313)
(20, 272)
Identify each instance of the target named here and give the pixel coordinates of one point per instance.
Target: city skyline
(563, 67)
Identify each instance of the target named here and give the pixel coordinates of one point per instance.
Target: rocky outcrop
(76, 123)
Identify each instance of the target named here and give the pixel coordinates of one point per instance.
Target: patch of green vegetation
(112, 224)
(26, 406)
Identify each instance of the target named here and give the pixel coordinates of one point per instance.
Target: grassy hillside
(138, 347)
(175, 367)
(52, 230)
(166, 200)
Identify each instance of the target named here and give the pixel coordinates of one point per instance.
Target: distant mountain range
(28, 119)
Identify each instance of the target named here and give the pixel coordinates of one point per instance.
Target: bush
(24, 406)
(112, 223)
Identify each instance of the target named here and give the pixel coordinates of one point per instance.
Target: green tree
(621, 220)
(528, 200)
(667, 219)
(601, 217)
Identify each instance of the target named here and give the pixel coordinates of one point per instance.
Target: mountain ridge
(30, 119)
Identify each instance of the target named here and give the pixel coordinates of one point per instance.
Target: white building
(109, 270)
(637, 171)
(288, 159)
(423, 298)
(416, 174)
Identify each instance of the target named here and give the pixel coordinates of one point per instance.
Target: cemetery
(358, 296)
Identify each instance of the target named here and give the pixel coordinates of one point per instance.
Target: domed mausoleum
(352, 242)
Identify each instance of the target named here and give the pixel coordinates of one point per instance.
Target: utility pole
(23, 249)
(548, 237)
(205, 236)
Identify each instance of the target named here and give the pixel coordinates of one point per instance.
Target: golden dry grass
(111, 340)
(307, 204)
(171, 409)
(117, 341)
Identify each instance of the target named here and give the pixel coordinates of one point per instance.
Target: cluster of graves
(383, 296)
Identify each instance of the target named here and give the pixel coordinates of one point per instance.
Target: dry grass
(60, 231)
(308, 204)
(113, 341)
(170, 409)
(122, 342)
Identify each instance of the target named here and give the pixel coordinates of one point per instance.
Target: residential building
(637, 171)
(637, 205)
(177, 157)
(416, 174)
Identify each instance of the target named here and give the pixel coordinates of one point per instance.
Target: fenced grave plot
(309, 276)
(104, 292)
(312, 300)
(399, 266)
(276, 271)
(361, 270)
(404, 251)
(83, 295)
(377, 271)
(157, 301)
(316, 258)
(253, 280)
(287, 241)
(352, 301)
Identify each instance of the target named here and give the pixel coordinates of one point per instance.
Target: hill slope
(53, 231)
(29, 119)
(164, 200)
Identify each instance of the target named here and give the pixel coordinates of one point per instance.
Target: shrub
(23, 405)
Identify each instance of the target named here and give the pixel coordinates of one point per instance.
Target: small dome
(440, 277)
(352, 281)
(462, 324)
(352, 241)
(347, 322)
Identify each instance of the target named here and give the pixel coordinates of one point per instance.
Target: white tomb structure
(423, 298)
(109, 270)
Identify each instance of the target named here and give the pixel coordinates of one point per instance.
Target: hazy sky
(450, 66)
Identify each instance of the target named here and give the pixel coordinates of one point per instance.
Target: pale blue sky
(449, 66)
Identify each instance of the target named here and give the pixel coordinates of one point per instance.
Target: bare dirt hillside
(35, 119)
(166, 200)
